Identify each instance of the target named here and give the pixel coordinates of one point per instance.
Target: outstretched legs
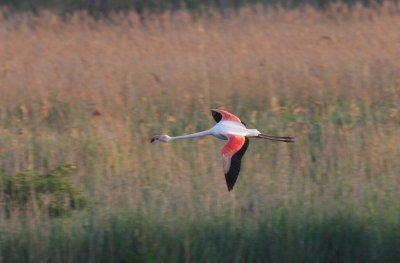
(276, 138)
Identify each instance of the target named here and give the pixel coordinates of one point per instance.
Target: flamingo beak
(152, 139)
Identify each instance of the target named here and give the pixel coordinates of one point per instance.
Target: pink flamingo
(229, 127)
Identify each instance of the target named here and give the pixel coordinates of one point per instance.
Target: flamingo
(228, 127)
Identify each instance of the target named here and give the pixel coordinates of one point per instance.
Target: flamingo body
(222, 129)
(229, 127)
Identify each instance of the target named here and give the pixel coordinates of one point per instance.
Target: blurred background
(85, 84)
(105, 7)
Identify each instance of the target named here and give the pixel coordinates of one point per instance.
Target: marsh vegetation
(81, 97)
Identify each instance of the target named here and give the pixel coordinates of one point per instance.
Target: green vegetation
(323, 199)
(50, 192)
(282, 237)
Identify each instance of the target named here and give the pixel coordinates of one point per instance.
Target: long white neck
(193, 135)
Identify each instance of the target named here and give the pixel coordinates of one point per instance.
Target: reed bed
(90, 93)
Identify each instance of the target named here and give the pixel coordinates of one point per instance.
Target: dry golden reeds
(109, 64)
(91, 92)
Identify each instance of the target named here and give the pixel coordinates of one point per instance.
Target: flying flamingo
(229, 127)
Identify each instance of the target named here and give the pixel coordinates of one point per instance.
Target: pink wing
(223, 115)
(232, 154)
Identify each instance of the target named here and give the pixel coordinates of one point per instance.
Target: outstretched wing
(232, 154)
(223, 115)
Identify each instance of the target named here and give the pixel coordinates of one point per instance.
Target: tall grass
(91, 93)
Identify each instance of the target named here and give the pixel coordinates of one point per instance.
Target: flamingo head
(163, 138)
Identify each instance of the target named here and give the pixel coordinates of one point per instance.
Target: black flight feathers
(218, 116)
(233, 172)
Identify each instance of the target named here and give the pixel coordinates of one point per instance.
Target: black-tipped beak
(152, 140)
